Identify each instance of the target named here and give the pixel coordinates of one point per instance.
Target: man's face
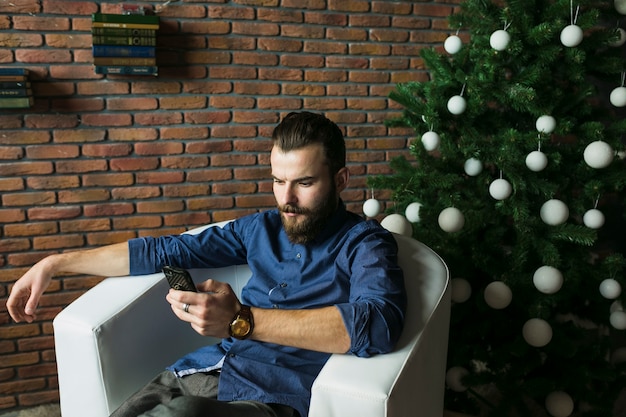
(306, 193)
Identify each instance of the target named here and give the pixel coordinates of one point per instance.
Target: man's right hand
(26, 292)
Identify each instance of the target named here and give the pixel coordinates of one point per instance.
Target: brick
(91, 180)
(159, 148)
(200, 132)
(57, 121)
(52, 151)
(11, 152)
(160, 177)
(185, 190)
(57, 242)
(134, 164)
(19, 331)
(160, 206)
(11, 184)
(131, 193)
(82, 135)
(45, 23)
(109, 238)
(84, 195)
(38, 398)
(212, 203)
(30, 229)
(26, 259)
(133, 134)
(187, 219)
(29, 199)
(84, 225)
(25, 168)
(50, 213)
(108, 209)
(137, 222)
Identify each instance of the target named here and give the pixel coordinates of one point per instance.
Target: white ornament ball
(451, 220)
(454, 377)
(537, 332)
(593, 219)
(397, 223)
(500, 189)
(545, 124)
(559, 404)
(610, 289)
(412, 212)
(621, 38)
(536, 161)
(620, 6)
(616, 306)
(548, 279)
(554, 212)
(371, 207)
(499, 40)
(453, 44)
(473, 167)
(457, 105)
(461, 290)
(571, 36)
(618, 97)
(498, 295)
(430, 140)
(618, 320)
(598, 154)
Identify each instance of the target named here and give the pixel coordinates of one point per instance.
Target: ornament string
(507, 25)
(462, 90)
(623, 78)
(573, 16)
(595, 206)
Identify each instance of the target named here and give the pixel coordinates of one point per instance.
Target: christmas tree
(516, 178)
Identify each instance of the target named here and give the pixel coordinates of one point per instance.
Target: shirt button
(298, 256)
(275, 306)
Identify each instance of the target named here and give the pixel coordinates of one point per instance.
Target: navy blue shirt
(351, 264)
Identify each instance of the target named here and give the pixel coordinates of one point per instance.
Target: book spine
(13, 84)
(124, 40)
(14, 71)
(122, 32)
(16, 92)
(135, 70)
(123, 51)
(16, 102)
(13, 78)
(124, 61)
(125, 18)
(123, 25)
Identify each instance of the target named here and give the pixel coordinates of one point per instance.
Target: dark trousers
(192, 396)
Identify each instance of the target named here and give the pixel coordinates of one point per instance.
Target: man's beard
(306, 227)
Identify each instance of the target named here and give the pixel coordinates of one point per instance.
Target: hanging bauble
(457, 105)
(598, 154)
(548, 279)
(499, 40)
(536, 161)
(430, 140)
(559, 404)
(397, 223)
(454, 378)
(620, 6)
(610, 289)
(453, 44)
(618, 320)
(554, 212)
(451, 220)
(618, 97)
(621, 38)
(461, 290)
(498, 295)
(537, 332)
(473, 167)
(571, 36)
(412, 212)
(545, 124)
(371, 207)
(593, 219)
(500, 189)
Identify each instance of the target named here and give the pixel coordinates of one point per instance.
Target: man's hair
(299, 129)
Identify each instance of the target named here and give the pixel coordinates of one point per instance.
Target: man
(323, 281)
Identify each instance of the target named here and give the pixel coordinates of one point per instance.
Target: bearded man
(323, 281)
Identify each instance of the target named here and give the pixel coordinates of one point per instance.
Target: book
(14, 84)
(127, 70)
(7, 71)
(15, 102)
(123, 51)
(16, 92)
(123, 61)
(125, 18)
(125, 21)
(122, 32)
(124, 40)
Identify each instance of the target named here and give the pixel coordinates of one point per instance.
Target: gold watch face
(240, 327)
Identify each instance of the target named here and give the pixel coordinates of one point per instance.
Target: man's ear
(341, 179)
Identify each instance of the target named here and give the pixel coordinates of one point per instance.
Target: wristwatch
(242, 324)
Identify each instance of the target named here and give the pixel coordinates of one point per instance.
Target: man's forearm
(109, 261)
(320, 329)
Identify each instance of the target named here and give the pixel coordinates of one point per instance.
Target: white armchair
(121, 333)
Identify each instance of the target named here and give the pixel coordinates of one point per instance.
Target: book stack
(15, 91)
(124, 43)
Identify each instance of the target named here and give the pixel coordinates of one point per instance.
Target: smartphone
(179, 279)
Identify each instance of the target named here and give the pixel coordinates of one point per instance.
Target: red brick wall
(101, 159)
